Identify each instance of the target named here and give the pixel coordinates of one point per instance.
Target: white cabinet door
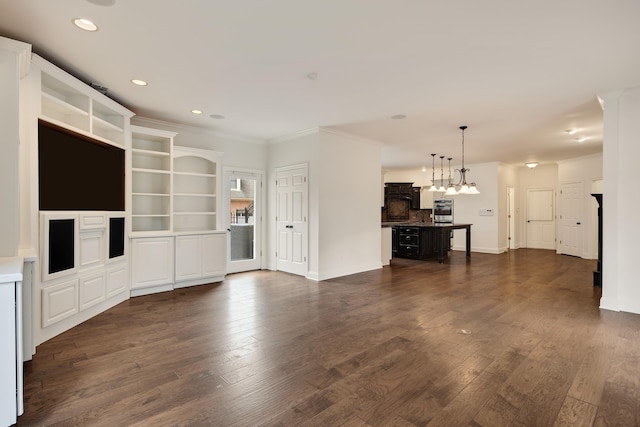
(200, 255)
(214, 257)
(151, 261)
(188, 257)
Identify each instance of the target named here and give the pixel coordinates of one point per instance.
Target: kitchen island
(422, 240)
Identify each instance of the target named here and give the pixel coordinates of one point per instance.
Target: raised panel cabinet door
(59, 302)
(188, 257)
(151, 261)
(214, 256)
(92, 290)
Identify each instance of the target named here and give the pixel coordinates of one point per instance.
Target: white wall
(349, 208)
(298, 149)
(344, 200)
(237, 152)
(507, 177)
(484, 231)
(587, 171)
(11, 70)
(620, 290)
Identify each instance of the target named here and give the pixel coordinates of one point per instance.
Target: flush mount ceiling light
(217, 116)
(197, 112)
(85, 24)
(103, 2)
(312, 75)
(531, 165)
(139, 82)
(582, 139)
(571, 131)
(398, 117)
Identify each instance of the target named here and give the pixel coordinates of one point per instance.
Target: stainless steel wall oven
(443, 211)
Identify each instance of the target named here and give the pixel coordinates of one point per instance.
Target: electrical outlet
(486, 212)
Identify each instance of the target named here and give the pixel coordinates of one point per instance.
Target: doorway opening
(244, 217)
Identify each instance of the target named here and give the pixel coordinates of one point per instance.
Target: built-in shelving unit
(195, 189)
(175, 237)
(151, 159)
(69, 103)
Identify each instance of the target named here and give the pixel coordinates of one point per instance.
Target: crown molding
(327, 130)
(149, 122)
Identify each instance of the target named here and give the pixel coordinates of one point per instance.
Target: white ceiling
(518, 73)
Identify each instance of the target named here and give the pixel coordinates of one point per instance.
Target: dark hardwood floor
(501, 340)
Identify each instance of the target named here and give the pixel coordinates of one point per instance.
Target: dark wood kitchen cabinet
(415, 197)
(416, 242)
(394, 241)
(397, 200)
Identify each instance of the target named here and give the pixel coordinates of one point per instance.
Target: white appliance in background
(443, 211)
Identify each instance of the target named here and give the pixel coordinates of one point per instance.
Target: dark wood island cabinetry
(425, 240)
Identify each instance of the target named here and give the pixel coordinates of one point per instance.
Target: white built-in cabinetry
(93, 276)
(195, 189)
(198, 256)
(152, 264)
(175, 241)
(70, 103)
(151, 180)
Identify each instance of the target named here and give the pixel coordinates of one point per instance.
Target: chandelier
(461, 187)
(464, 187)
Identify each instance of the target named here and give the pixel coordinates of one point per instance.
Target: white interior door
(541, 228)
(291, 220)
(570, 226)
(244, 220)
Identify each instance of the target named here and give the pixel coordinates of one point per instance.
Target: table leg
(441, 245)
(468, 241)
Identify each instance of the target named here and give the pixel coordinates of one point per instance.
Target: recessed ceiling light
(571, 131)
(103, 2)
(217, 116)
(398, 117)
(583, 139)
(196, 111)
(139, 82)
(85, 24)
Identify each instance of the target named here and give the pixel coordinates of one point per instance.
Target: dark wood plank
(515, 339)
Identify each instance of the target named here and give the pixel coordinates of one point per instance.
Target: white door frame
(511, 218)
(258, 262)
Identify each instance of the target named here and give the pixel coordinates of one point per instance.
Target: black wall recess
(61, 245)
(116, 237)
(76, 172)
